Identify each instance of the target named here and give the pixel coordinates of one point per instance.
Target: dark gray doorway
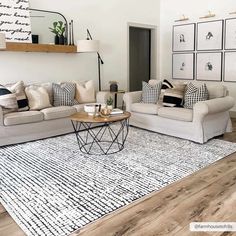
(139, 57)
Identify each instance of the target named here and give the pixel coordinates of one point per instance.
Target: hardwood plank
(131, 220)
(8, 227)
(2, 209)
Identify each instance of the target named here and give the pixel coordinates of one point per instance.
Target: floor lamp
(90, 45)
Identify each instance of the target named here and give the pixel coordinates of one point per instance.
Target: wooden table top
(84, 117)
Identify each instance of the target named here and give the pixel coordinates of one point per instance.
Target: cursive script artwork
(15, 20)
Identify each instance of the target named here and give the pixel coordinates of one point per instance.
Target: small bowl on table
(105, 112)
(92, 109)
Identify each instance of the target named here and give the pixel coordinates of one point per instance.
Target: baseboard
(232, 114)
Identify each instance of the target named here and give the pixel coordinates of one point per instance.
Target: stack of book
(117, 111)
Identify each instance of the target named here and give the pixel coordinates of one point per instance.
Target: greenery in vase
(58, 28)
(109, 101)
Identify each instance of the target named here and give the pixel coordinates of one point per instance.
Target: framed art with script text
(15, 20)
(183, 66)
(210, 35)
(183, 38)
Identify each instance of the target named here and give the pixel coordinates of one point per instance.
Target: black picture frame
(224, 69)
(225, 34)
(221, 66)
(193, 65)
(194, 38)
(197, 36)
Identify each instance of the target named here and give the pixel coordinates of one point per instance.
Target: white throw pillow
(85, 92)
(38, 97)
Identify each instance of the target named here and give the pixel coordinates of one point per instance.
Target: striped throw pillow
(19, 90)
(195, 94)
(165, 85)
(64, 94)
(7, 100)
(173, 97)
(150, 94)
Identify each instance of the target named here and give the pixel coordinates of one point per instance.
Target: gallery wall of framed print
(230, 67)
(230, 34)
(183, 38)
(210, 35)
(183, 66)
(209, 66)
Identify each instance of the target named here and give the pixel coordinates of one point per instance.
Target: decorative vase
(61, 40)
(110, 107)
(113, 87)
(56, 40)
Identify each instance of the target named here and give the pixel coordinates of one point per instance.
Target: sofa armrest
(1, 116)
(213, 106)
(132, 97)
(101, 97)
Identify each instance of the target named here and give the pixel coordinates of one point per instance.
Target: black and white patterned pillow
(19, 90)
(150, 93)
(165, 85)
(8, 100)
(64, 94)
(173, 97)
(195, 94)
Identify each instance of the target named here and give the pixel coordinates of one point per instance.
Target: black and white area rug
(51, 189)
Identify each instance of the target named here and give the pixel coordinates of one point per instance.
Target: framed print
(210, 35)
(230, 67)
(209, 66)
(183, 66)
(15, 20)
(183, 38)
(230, 34)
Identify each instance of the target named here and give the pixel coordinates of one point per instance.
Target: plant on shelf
(109, 102)
(58, 29)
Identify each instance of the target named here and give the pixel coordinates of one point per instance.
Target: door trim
(154, 71)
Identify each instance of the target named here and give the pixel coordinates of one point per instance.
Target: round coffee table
(100, 135)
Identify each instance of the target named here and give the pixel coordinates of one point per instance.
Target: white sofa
(19, 127)
(206, 120)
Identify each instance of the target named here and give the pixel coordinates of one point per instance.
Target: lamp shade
(87, 46)
(2, 41)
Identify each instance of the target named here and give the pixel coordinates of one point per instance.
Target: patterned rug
(50, 188)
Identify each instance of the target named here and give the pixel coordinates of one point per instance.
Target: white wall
(172, 10)
(107, 21)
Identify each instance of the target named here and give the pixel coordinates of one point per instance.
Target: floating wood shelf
(30, 47)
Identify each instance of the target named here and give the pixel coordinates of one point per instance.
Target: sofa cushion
(38, 97)
(176, 113)
(58, 112)
(8, 100)
(151, 109)
(64, 94)
(19, 90)
(195, 94)
(216, 91)
(24, 117)
(150, 94)
(85, 92)
(165, 85)
(174, 97)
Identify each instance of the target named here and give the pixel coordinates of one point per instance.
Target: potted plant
(109, 102)
(58, 29)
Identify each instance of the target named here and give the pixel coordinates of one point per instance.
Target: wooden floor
(207, 195)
